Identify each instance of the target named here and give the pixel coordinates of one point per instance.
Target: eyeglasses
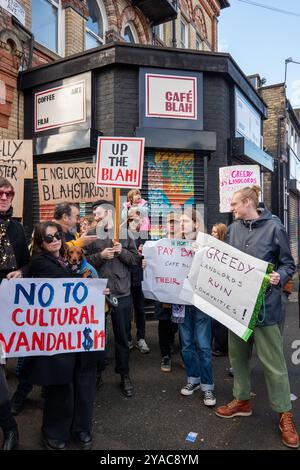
(8, 194)
(50, 238)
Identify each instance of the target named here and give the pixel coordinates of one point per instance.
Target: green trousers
(269, 346)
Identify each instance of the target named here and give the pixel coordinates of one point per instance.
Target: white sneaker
(189, 389)
(208, 398)
(142, 346)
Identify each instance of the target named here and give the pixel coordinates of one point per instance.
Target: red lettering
(93, 319)
(73, 314)
(22, 342)
(38, 341)
(106, 174)
(61, 342)
(14, 316)
(70, 346)
(168, 95)
(62, 319)
(41, 318)
(84, 316)
(99, 335)
(50, 344)
(7, 346)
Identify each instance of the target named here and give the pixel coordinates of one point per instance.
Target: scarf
(8, 260)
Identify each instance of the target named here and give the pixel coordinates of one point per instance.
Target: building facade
(282, 141)
(41, 31)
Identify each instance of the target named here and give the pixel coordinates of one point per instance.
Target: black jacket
(59, 368)
(266, 238)
(18, 241)
(116, 270)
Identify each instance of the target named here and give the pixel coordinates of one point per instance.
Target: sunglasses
(50, 238)
(8, 194)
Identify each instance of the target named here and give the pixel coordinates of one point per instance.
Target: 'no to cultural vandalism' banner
(168, 264)
(227, 284)
(51, 316)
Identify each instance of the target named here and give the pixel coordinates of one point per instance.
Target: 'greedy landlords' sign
(170, 96)
(51, 316)
(234, 178)
(120, 162)
(60, 106)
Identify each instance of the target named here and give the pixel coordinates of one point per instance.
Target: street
(159, 418)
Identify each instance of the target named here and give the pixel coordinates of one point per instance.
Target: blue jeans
(195, 335)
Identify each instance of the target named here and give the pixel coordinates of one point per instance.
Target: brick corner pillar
(10, 59)
(76, 14)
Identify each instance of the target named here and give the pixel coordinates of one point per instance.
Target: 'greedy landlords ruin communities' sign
(60, 106)
(169, 96)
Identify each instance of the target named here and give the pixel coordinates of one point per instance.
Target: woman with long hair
(68, 379)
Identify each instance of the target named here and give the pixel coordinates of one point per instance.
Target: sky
(260, 40)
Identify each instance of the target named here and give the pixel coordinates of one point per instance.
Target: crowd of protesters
(68, 381)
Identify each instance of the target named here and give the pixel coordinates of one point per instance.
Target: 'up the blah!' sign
(51, 316)
(120, 162)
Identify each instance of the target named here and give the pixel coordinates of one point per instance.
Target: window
(47, 24)
(159, 32)
(184, 43)
(96, 24)
(199, 43)
(130, 34)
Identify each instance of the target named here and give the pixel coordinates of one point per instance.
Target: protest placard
(51, 316)
(227, 284)
(16, 153)
(69, 182)
(233, 178)
(120, 162)
(168, 262)
(14, 173)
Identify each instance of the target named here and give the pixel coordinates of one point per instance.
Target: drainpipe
(174, 41)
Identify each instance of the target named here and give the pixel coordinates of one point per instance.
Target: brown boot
(234, 408)
(289, 435)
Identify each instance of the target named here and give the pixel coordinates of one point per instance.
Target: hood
(265, 215)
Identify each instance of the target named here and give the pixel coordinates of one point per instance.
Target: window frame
(60, 29)
(105, 26)
(184, 23)
(131, 26)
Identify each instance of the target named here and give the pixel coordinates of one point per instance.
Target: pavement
(157, 417)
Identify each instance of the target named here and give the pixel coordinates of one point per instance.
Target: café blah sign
(170, 96)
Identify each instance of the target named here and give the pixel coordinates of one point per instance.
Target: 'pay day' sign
(120, 162)
(51, 316)
(168, 264)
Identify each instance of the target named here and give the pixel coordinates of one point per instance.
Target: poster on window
(227, 284)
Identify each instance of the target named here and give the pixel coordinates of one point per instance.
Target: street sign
(120, 162)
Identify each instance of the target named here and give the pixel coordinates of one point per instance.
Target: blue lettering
(85, 292)
(68, 286)
(28, 295)
(51, 295)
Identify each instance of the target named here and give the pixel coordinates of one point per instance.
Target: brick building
(183, 151)
(282, 141)
(49, 30)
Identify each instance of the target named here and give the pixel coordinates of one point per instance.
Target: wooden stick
(117, 218)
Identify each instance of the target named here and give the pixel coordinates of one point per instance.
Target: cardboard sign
(17, 152)
(168, 264)
(120, 162)
(69, 182)
(233, 178)
(170, 96)
(227, 284)
(14, 173)
(51, 316)
(60, 106)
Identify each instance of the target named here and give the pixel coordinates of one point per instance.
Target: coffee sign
(60, 106)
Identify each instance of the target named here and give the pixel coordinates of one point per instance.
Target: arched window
(130, 34)
(96, 24)
(47, 24)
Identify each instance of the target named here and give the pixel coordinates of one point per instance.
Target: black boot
(126, 386)
(11, 439)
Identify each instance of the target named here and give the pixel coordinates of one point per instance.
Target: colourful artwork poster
(170, 184)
